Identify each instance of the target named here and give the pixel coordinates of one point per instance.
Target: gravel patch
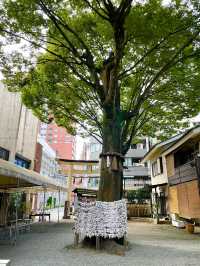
(151, 245)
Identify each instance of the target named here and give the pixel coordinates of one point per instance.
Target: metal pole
(16, 208)
(44, 204)
(16, 216)
(58, 205)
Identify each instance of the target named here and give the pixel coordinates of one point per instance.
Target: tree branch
(96, 10)
(89, 57)
(70, 116)
(151, 50)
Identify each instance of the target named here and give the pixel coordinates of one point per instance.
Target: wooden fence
(138, 210)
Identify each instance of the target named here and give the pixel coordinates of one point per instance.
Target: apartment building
(136, 174)
(59, 140)
(18, 130)
(47, 165)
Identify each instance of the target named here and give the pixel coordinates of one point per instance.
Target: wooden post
(76, 239)
(157, 214)
(151, 205)
(98, 243)
(28, 205)
(69, 194)
(125, 242)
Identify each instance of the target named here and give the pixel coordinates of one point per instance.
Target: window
(22, 162)
(140, 146)
(92, 148)
(128, 162)
(67, 139)
(134, 146)
(135, 161)
(144, 144)
(196, 123)
(4, 154)
(155, 168)
(95, 147)
(184, 155)
(161, 165)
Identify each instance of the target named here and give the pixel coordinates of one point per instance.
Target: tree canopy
(86, 55)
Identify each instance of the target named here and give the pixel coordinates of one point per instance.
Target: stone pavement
(150, 245)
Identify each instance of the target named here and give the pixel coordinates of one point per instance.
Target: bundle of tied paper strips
(105, 219)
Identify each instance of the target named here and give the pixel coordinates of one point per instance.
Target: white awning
(13, 176)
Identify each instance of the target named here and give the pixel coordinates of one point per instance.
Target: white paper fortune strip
(106, 219)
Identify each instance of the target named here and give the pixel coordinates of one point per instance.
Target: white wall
(161, 178)
(18, 126)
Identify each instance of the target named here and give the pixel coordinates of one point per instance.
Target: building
(46, 158)
(18, 130)
(47, 165)
(46, 162)
(136, 174)
(175, 174)
(18, 137)
(59, 140)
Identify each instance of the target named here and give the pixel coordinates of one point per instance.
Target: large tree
(117, 68)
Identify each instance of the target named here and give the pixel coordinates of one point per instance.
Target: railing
(184, 173)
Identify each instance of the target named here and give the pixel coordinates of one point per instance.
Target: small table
(40, 215)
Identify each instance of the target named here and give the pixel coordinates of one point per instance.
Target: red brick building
(58, 138)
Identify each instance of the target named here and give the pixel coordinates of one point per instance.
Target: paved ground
(151, 245)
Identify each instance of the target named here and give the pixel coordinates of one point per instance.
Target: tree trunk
(111, 172)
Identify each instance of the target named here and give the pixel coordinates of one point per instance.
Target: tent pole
(44, 200)
(16, 208)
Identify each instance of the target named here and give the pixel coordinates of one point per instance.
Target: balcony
(184, 173)
(136, 171)
(137, 153)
